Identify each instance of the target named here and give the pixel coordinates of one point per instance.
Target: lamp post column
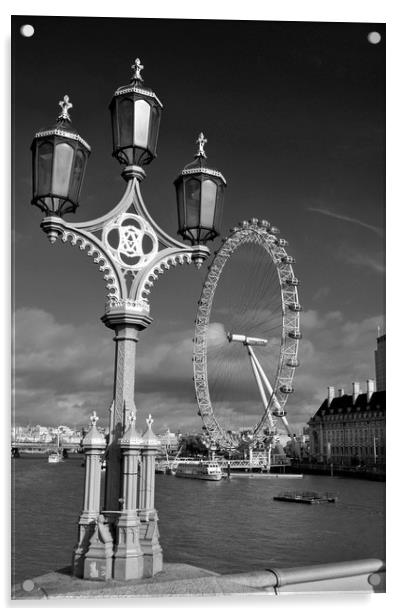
(94, 444)
(153, 557)
(126, 325)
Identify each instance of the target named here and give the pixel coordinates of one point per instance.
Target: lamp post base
(128, 556)
(98, 561)
(86, 526)
(153, 554)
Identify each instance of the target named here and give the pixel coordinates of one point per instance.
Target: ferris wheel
(246, 338)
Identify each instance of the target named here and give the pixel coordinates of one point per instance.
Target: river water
(226, 526)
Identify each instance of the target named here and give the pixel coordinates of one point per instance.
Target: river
(226, 526)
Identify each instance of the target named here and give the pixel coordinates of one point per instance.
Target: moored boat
(55, 457)
(307, 498)
(202, 469)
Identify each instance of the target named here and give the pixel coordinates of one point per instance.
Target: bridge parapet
(43, 446)
(365, 575)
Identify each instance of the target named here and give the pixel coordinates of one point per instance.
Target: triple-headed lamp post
(131, 251)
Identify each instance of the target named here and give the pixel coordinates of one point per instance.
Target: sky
(294, 114)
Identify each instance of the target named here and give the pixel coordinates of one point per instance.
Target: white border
(373, 11)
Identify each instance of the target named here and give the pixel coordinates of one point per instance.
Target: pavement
(175, 580)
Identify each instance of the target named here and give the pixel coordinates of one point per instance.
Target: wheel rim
(260, 233)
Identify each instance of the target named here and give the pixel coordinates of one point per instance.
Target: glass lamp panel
(77, 176)
(208, 200)
(154, 129)
(115, 132)
(44, 167)
(63, 160)
(219, 208)
(125, 120)
(193, 198)
(142, 114)
(180, 204)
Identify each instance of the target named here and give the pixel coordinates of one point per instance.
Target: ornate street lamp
(59, 159)
(199, 193)
(136, 114)
(131, 251)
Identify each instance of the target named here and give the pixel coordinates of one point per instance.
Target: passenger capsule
(274, 230)
(281, 242)
(295, 334)
(292, 282)
(288, 259)
(286, 389)
(279, 413)
(295, 307)
(293, 363)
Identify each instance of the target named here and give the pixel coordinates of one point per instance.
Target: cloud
(377, 230)
(364, 260)
(216, 336)
(63, 372)
(312, 319)
(334, 352)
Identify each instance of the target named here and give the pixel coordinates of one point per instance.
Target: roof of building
(344, 404)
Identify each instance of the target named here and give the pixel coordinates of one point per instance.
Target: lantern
(59, 157)
(199, 193)
(136, 113)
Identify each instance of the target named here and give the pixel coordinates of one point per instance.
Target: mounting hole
(374, 579)
(374, 38)
(27, 30)
(28, 585)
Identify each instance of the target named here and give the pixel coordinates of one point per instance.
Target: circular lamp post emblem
(130, 241)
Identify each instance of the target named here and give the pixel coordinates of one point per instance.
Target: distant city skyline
(294, 114)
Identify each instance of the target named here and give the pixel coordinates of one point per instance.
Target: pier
(229, 466)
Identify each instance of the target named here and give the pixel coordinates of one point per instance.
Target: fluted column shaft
(130, 479)
(147, 481)
(92, 481)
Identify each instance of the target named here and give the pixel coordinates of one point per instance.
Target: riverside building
(349, 429)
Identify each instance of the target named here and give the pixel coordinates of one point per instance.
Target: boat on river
(307, 498)
(200, 469)
(55, 457)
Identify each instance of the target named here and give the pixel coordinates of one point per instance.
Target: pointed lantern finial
(131, 419)
(137, 68)
(65, 106)
(201, 142)
(94, 419)
(149, 421)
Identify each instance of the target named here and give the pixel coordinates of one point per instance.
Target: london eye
(246, 338)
